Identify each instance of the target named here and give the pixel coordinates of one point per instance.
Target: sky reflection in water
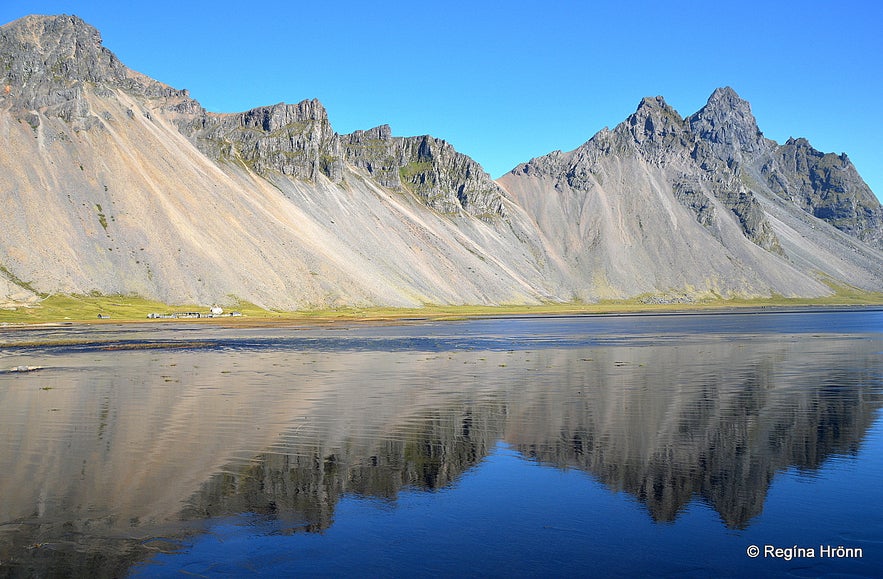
(624, 445)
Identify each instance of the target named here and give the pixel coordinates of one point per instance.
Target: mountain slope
(109, 194)
(663, 203)
(112, 182)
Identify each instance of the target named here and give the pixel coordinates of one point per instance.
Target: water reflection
(110, 455)
(681, 429)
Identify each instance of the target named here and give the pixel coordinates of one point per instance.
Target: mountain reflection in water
(111, 455)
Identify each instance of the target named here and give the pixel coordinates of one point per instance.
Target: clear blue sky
(508, 81)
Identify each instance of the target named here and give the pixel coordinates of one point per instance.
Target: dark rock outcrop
(446, 180)
(47, 64)
(294, 140)
(729, 128)
(826, 186)
(655, 129)
(298, 141)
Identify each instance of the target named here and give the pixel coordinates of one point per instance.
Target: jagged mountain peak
(725, 103)
(651, 129)
(725, 96)
(54, 63)
(728, 125)
(60, 36)
(655, 127)
(274, 117)
(654, 107)
(48, 63)
(380, 133)
(39, 48)
(803, 143)
(57, 27)
(717, 165)
(657, 102)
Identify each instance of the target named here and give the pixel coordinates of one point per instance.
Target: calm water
(611, 446)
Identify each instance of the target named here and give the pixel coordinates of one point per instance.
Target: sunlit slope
(134, 207)
(104, 193)
(662, 203)
(114, 183)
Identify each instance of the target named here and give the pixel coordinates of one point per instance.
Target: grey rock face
(294, 140)
(616, 193)
(298, 141)
(826, 186)
(710, 141)
(47, 62)
(745, 206)
(690, 194)
(655, 129)
(377, 153)
(727, 125)
(115, 183)
(446, 180)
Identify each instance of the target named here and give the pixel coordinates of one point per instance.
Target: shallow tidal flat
(612, 444)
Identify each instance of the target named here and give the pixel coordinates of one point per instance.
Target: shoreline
(385, 316)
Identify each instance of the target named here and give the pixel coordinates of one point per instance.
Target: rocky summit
(114, 183)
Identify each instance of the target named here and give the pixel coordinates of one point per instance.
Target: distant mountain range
(114, 183)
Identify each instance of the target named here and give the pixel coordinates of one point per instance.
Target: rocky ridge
(298, 141)
(116, 183)
(50, 62)
(826, 186)
(445, 179)
(293, 140)
(715, 164)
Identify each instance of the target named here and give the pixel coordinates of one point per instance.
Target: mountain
(113, 182)
(119, 184)
(689, 204)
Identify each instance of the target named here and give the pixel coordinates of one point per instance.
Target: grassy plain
(78, 308)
